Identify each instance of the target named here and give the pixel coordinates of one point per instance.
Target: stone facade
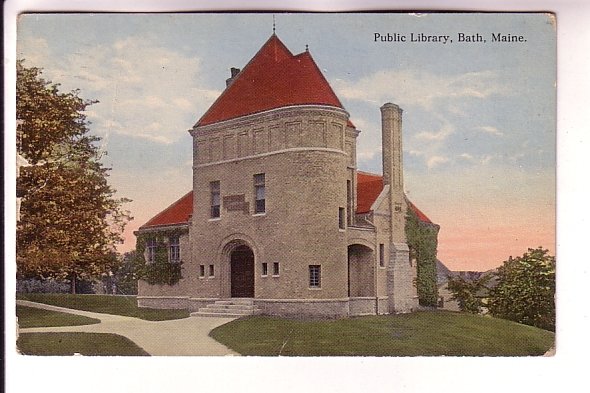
(305, 251)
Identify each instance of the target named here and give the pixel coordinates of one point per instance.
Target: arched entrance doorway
(242, 272)
(360, 271)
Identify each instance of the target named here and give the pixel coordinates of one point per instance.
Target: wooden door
(242, 272)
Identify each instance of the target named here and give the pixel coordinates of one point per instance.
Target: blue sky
(479, 119)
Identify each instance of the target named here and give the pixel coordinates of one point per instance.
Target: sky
(478, 127)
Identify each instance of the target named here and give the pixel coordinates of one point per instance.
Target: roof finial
(274, 25)
(306, 48)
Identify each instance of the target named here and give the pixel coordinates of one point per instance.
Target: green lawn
(425, 333)
(89, 344)
(29, 317)
(117, 305)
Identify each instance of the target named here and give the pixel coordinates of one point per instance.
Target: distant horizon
(479, 124)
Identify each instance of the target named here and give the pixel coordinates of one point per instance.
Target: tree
(70, 219)
(422, 241)
(525, 292)
(470, 294)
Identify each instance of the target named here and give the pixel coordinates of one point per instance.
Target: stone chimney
(393, 175)
(234, 72)
(402, 295)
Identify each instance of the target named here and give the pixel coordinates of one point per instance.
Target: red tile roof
(177, 213)
(274, 78)
(369, 186)
(421, 216)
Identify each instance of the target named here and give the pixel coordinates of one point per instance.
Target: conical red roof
(274, 78)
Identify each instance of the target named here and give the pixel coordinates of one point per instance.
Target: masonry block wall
(301, 152)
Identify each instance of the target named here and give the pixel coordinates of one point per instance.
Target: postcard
(378, 184)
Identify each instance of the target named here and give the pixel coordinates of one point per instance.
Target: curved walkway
(179, 337)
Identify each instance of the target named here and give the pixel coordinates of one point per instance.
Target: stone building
(280, 221)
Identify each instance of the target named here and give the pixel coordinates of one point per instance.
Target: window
(215, 199)
(211, 270)
(382, 255)
(174, 249)
(151, 250)
(275, 269)
(349, 201)
(201, 270)
(315, 276)
(341, 218)
(265, 269)
(259, 194)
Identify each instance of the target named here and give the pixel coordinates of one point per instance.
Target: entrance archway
(242, 272)
(360, 271)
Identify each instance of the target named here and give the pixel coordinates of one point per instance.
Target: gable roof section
(273, 78)
(177, 213)
(421, 216)
(369, 186)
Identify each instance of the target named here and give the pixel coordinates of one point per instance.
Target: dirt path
(179, 337)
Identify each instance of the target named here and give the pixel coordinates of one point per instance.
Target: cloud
(420, 88)
(144, 90)
(482, 160)
(490, 130)
(435, 161)
(440, 135)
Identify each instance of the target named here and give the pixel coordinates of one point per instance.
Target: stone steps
(228, 308)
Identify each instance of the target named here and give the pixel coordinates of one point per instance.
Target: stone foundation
(362, 306)
(322, 308)
(325, 308)
(179, 302)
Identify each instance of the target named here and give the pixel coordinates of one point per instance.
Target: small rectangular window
(341, 218)
(265, 269)
(275, 269)
(315, 276)
(381, 255)
(201, 270)
(259, 193)
(174, 249)
(211, 270)
(215, 188)
(151, 246)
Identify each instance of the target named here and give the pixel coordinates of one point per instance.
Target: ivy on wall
(422, 239)
(161, 271)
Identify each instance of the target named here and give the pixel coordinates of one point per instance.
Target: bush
(33, 285)
(526, 290)
(470, 294)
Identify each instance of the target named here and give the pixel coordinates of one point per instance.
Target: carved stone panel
(293, 131)
(277, 138)
(215, 149)
(202, 152)
(260, 141)
(243, 144)
(314, 134)
(236, 203)
(229, 147)
(335, 136)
